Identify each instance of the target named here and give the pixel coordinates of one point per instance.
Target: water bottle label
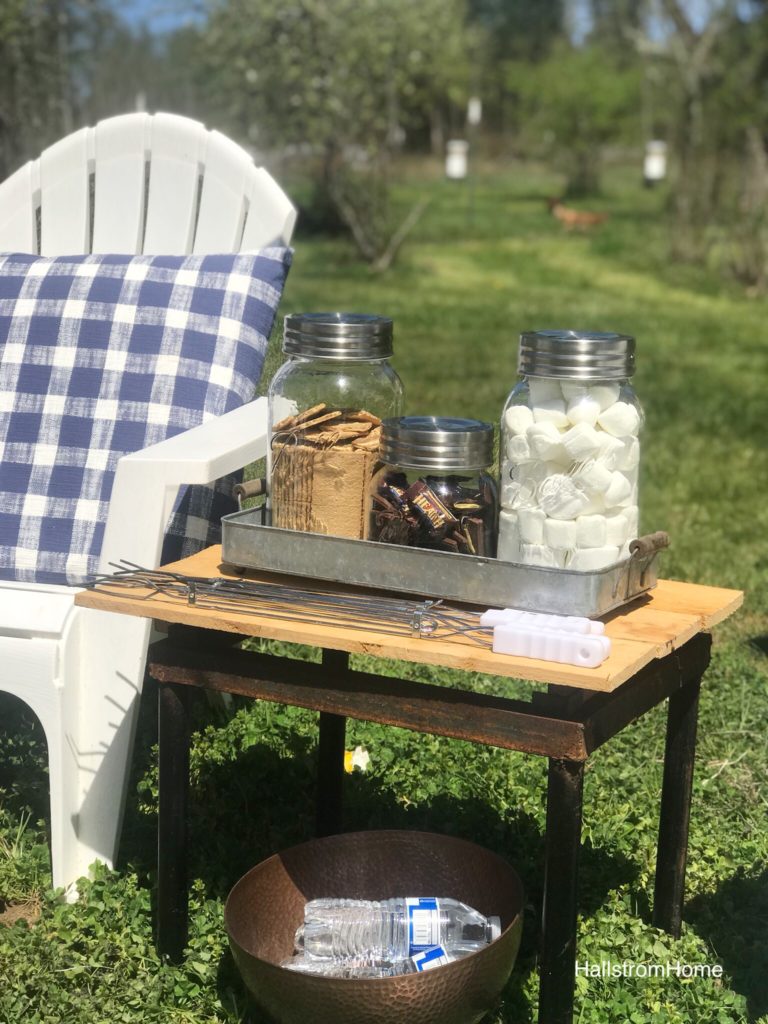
(423, 922)
(429, 958)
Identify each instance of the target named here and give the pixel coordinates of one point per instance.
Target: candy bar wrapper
(474, 530)
(435, 517)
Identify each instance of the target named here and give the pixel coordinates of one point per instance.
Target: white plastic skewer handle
(541, 620)
(587, 650)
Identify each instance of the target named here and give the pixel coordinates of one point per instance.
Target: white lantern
(456, 159)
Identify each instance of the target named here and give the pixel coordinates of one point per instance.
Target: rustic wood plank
(710, 604)
(649, 628)
(667, 630)
(626, 657)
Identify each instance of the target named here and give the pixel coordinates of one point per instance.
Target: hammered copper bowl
(266, 906)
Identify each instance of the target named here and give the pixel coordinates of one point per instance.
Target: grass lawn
(485, 262)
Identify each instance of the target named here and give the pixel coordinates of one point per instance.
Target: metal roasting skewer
(428, 619)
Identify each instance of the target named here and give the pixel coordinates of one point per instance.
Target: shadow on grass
(733, 920)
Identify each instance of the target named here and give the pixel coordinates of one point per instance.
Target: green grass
(484, 263)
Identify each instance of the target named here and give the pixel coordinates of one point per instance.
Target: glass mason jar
(326, 404)
(433, 488)
(570, 452)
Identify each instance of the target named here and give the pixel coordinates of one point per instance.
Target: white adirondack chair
(80, 670)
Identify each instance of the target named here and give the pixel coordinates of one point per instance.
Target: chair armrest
(146, 482)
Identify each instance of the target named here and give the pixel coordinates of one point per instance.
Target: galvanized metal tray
(470, 579)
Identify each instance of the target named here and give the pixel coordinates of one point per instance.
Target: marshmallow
(604, 394)
(620, 490)
(595, 504)
(590, 532)
(522, 490)
(561, 498)
(532, 473)
(581, 441)
(518, 449)
(543, 389)
(631, 514)
(551, 410)
(573, 389)
(560, 533)
(620, 419)
(540, 554)
(594, 476)
(518, 418)
(508, 548)
(545, 441)
(516, 495)
(583, 409)
(531, 525)
(616, 529)
(585, 559)
(629, 456)
(509, 520)
(611, 449)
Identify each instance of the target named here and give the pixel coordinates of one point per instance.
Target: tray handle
(249, 489)
(649, 544)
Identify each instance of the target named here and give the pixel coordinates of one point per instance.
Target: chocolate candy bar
(432, 514)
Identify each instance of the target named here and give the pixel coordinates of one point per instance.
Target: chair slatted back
(142, 183)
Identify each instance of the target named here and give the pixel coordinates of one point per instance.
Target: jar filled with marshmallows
(570, 452)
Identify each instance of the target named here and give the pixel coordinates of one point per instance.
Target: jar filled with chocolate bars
(326, 404)
(433, 488)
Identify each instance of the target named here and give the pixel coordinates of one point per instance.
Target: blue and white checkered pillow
(104, 355)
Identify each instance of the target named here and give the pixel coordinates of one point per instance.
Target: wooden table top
(649, 628)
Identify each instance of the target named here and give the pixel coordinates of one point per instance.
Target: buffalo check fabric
(103, 355)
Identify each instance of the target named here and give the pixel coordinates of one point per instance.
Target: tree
(712, 69)
(518, 29)
(509, 32)
(338, 82)
(35, 90)
(64, 63)
(575, 102)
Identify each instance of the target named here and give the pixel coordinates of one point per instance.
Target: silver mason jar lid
(577, 355)
(436, 442)
(337, 336)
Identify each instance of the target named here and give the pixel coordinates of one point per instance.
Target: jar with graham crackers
(326, 404)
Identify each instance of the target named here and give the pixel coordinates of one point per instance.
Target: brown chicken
(575, 220)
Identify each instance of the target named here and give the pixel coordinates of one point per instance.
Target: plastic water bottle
(366, 966)
(393, 929)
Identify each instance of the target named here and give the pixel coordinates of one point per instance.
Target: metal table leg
(330, 755)
(173, 788)
(672, 853)
(563, 840)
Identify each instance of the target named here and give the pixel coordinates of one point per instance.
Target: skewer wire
(427, 619)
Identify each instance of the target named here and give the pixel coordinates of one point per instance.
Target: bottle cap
(576, 355)
(356, 336)
(436, 442)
